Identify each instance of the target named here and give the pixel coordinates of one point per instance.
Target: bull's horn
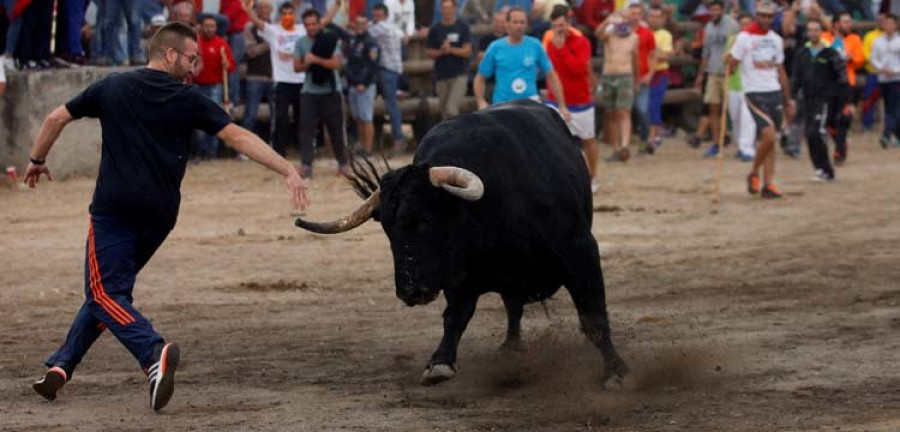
(460, 182)
(347, 223)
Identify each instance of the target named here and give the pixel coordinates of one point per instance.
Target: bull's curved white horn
(347, 223)
(460, 182)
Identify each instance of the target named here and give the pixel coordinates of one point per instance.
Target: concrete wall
(29, 98)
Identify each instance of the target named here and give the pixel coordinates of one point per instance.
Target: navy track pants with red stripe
(117, 249)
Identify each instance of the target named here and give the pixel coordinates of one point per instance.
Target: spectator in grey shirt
(390, 40)
(712, 63)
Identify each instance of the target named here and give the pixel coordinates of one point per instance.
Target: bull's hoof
(436, 374)
(613, 383)
(512, 346)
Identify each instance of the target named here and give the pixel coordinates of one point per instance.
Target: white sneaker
(162, 376)
(595, 185)
(8, 63)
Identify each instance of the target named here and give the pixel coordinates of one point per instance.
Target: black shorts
(766, 108)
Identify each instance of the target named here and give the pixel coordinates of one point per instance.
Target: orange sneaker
(770, 192)
(753, 184)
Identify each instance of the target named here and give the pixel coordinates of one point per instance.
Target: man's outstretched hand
(33, 174)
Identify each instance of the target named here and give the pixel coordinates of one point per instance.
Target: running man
(146, 117)
(760, 53)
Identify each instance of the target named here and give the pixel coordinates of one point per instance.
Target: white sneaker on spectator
(8, 63)
(595, 185)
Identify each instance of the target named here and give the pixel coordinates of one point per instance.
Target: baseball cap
(158, 20)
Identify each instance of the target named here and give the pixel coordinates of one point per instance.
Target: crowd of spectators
(319, 64)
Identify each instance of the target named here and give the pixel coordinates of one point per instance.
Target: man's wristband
(38, 161)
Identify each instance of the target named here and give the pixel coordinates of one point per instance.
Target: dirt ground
(765, 316)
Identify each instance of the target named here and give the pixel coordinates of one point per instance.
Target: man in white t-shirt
(281, 38)
(759, 52)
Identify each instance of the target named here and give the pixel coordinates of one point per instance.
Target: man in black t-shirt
(449, 44)
(146, 117)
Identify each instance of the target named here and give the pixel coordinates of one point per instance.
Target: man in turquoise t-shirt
(320, 99)
(514, 61)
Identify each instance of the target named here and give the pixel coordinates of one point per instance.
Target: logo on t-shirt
(528, 61)
(518, 86)
(453, 37)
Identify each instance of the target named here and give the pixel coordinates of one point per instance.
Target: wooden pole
(225, 64)
(723, 123)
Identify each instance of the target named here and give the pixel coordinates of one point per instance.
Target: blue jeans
(111, 22)
(868, 115)
(73, 13)
(657, 94)
(890, 91)
(642, 107)
(149, 8)
(834, 7)
(239, 51)
(255, 92)
(208, 145)
(388, 89)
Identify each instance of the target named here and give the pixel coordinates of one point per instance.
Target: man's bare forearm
(248, 144)
(50, 130)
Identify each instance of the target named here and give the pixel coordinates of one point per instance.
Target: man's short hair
(382, 7)
(815, 21)
(559, 10)
(205, 17)
(656, 9)
(839, 15)
(515, 9)
(743, 15)
(285, 5)
(719, 3)
(636, 4)
(891, 17)
(311, 12)
(445, 1)
(171, 35)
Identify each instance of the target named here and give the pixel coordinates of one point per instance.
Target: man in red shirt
(570, 53)
(646, 65)
(237, 21)
(212, 68)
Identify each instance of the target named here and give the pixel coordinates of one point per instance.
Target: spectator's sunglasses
(193, 59)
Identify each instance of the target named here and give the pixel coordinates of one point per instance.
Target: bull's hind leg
(442, 366)
(514, 309)
(589, 294)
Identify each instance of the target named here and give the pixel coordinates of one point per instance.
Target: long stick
(225, 64)
(723, 122)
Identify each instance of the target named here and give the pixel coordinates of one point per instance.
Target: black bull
(494, 201)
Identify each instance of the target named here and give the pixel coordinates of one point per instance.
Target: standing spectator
(68, 31)
(646, 62)
(33, 46)
(660, 81)
(237, 22)
(282, 38)
(819, 71)
(886, 60)
(389, 39)
(516, 60)
(872, 92)
(183, 12)
(259, 69)
(318, 54)
(849, 46)
(363, 55)
(403, 15)
(110, 23)
(712, 63)
(14, 15)
(570, 53)
(760, 54)
(593, 12)
(619, 81)
(450, 45)
(211, 77)
(742, 127)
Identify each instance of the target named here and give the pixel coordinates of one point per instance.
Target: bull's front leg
(442, 366)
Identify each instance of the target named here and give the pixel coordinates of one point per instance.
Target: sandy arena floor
(767, 316)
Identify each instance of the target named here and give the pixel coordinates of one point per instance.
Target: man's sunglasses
(193, 59)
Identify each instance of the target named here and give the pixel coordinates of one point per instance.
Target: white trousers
(742, 124)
